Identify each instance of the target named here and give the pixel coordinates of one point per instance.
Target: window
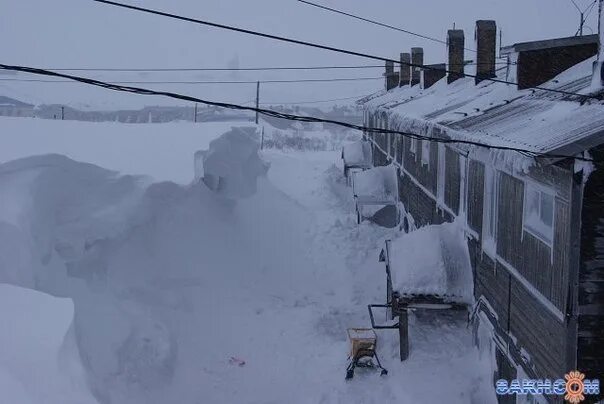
(425, 153)
(413, 146)
(539, 213)
(489, 220)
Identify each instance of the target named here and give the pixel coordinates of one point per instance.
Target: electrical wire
(211, 82)
(292, 117)
(227, 69)
(381, 24)
(313, 102)
(325, 47)
(213, 69)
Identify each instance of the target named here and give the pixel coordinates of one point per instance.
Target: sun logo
(574, 387)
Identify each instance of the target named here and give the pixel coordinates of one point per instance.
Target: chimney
(597, 81)
(388, 75)
(417, 59)
(405, 75)
(456, 43)
(486, 41)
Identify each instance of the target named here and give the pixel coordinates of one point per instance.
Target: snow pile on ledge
(232, 165)
(432, 260)
(357, 154)
(378, 183)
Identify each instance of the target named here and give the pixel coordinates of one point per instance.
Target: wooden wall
(530, 309)
(590, 349)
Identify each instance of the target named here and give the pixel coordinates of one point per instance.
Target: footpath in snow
(182, 295)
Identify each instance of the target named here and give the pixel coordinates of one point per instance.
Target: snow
(357, 154)
(498, 114)
(231, 166)
(33, 353)
(169, 282)
(161, 151)
(378, 183)
(432, 260)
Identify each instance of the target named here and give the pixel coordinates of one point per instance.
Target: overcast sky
(82, 33)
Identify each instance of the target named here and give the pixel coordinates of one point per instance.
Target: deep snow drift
(174, 287)
(38, 361)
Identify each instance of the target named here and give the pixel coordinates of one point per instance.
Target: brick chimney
(388, 75)
(417, 58)
(486, 42)
(405, 76)
(456, 44)
(597, 81)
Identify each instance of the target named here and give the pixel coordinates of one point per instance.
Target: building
(534, 221)
(12, 107)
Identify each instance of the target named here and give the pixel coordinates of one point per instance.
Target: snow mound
(231, 166)
(54, 207)
(34, 326)
(432, 260)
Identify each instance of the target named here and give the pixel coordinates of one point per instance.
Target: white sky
(81, 33)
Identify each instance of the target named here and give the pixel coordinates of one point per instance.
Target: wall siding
(533, 327)
(452, 179)
(475, 196)
(590, 344)
(537, 331)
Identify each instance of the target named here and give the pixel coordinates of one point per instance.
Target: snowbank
(231, 166)
(32, 334)
(53, 207)
(432, 260)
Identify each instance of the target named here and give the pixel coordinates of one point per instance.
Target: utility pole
(257, 100)
(62, 113)
(195, 115)
(581, 25)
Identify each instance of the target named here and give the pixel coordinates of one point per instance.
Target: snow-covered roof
(550, 43)
(11, 102)
(499, 114)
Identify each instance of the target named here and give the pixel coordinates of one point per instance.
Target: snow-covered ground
(180, 295)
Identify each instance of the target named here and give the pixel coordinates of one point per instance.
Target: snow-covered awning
(357, 155)
(378, 185)
(433, 260)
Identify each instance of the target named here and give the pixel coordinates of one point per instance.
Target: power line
(276, 114)
(210, 82)
(213, 69)
(381, 24)
(226, 69)
(324, 47)
(312, 102)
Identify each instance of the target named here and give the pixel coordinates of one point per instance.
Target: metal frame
(400, 304)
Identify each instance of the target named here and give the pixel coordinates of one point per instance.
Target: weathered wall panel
(538, 331)
(452, 180)
(475, 195)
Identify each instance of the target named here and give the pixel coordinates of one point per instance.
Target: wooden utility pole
(62, 113)
(257, 100)
(195, 115)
